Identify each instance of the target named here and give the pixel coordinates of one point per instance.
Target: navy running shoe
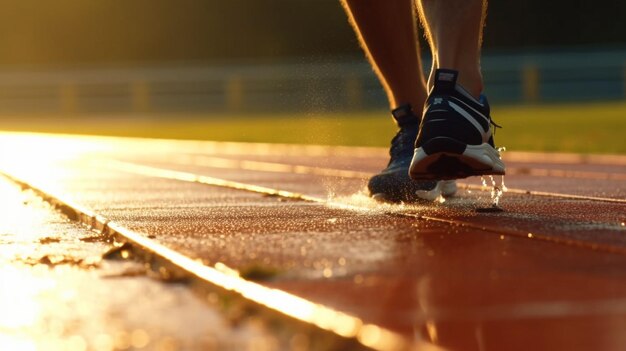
(455, 138)
(393, 184)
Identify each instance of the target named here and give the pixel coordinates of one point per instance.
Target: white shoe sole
(445, 188)
(474, 160)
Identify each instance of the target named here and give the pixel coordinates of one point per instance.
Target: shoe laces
(402, 142)
(483, 100)
(495, 125)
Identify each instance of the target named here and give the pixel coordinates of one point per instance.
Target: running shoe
(393, 184)
(455, 138)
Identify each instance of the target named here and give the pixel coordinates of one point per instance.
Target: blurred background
(292, 71)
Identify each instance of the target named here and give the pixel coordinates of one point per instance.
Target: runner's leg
(454, 31)
(387, 31)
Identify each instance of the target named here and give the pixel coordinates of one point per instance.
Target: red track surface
(548, 273)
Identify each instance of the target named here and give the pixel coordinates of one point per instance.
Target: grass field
(582, 128)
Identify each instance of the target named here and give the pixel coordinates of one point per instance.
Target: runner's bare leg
(454, 31)
(387, 31)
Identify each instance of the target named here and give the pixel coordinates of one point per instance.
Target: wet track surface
(547, 273)
(59, 292)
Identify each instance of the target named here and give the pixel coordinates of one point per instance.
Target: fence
(318, 86)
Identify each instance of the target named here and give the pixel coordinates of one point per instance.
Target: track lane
(499, 229)
(277, 167)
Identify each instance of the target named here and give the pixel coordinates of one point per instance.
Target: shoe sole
(445, 188)
(446, 158)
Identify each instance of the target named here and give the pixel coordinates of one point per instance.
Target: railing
(321, 86)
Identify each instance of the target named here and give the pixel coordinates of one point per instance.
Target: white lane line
(276, 167)
(226, 163)
(562, 173)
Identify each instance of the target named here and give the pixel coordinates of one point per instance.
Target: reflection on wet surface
(457, 283)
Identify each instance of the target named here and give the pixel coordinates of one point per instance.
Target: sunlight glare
(19, 294)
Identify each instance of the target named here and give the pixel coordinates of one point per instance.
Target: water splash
(440, 199)
(483, 181)
(361, 201)
(330, 194)
(497, 190)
